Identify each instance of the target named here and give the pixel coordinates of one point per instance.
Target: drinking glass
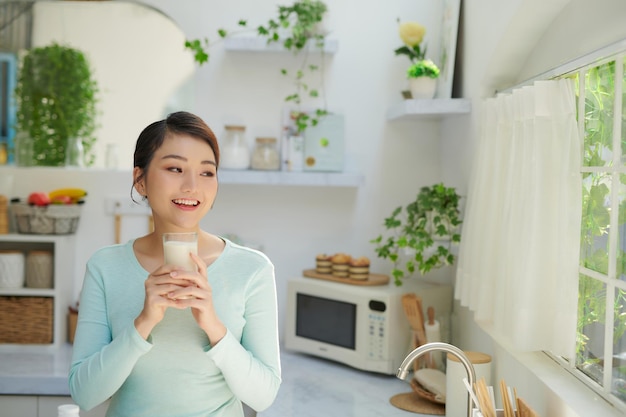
(176, 249)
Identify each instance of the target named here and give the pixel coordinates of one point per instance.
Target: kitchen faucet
(445, 347)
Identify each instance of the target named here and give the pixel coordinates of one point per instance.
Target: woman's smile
(186, 203)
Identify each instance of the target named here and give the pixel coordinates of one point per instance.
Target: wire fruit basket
(54, 219)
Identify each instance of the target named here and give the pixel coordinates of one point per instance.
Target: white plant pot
(423, 87)
(431, 227)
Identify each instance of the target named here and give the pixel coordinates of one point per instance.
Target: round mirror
(136, 52)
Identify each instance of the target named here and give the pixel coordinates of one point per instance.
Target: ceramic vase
(423, 87)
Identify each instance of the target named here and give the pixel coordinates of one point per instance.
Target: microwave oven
(361, 326)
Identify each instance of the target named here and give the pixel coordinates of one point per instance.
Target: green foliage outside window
(601, 168)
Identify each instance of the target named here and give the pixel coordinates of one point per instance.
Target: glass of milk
(176, 249)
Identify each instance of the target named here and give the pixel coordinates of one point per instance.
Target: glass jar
(112, 161)
(265, 155)
(234, 153)
(74, 153)
(24, 153)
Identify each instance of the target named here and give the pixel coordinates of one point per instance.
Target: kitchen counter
(311, 386)
(34, 370)
(315, 387)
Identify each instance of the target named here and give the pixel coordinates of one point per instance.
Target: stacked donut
(342, 265)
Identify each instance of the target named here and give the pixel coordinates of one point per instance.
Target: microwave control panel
(377, 332)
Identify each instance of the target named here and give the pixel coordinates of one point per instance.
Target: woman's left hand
(199, 296)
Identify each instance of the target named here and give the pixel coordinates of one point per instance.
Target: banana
(74, 193)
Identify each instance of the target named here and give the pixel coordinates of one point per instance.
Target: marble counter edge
(34, 385)
(35, 370)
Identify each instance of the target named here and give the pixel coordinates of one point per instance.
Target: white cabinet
(18, 405)
(41, 406)
(62, 248)
(48, 407)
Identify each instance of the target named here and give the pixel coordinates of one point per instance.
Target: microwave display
(326, 320)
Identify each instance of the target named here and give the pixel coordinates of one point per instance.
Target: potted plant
(295, 26)
(423, 73)
(56, 97)
(421, 234)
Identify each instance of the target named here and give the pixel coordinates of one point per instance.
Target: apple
(38, 199)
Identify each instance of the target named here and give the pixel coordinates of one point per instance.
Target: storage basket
(11, 269)
(55, 219)
(26, 320)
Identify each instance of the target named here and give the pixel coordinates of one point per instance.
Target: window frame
(617, 166)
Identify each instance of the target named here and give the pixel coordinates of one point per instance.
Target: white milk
(177, 253)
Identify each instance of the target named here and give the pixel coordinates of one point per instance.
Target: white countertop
(34, 370)
(311, 386)
(315, 387)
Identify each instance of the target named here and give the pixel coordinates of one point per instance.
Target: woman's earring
(144, 197)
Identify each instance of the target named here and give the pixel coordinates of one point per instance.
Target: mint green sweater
(176, 372)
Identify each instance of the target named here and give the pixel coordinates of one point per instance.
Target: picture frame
(447, 53)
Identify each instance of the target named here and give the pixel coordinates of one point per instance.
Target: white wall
(292, 223)
(364, 78)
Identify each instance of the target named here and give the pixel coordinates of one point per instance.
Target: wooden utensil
(506, 401)
(482, 392)
(421, 332)
(524, 409)
(118, 223)
(414, 315)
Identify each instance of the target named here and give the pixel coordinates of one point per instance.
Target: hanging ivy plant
(423, 230)
(56, 96)
(295, 26)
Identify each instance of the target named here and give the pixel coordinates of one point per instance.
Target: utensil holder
(456, 393)
(477, 413)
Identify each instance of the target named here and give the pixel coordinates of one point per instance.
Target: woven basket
(26, 320)
(55, 219)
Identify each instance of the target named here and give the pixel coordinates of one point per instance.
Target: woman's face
(180, 182)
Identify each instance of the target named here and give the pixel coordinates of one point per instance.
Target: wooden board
(374, 279)
(412, 402)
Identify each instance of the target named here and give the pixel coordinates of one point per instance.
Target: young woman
(161, 341)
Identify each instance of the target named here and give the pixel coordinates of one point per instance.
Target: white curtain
(518, 258)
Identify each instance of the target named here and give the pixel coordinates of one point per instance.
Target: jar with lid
(265, 155)
(234, 153)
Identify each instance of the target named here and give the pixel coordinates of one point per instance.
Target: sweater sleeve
(100, 365)
(251, 367)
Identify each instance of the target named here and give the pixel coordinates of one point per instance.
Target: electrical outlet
(125, 206)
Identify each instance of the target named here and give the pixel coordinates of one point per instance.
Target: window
(601, 330)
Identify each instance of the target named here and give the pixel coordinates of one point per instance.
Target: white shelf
(428, 109)
(259, 44)
(62, 247)
(326, 179)
(28, 292)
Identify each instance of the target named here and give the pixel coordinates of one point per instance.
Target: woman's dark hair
(182, 122)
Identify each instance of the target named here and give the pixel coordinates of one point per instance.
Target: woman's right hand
(158, 285)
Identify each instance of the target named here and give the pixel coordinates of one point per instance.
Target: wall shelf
(259, 44)
(324, 179)
(428, 109)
